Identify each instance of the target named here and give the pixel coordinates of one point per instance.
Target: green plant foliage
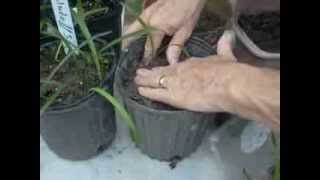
(122, 111)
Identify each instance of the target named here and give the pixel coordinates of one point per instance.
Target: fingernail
(137, 80)
(140, 90)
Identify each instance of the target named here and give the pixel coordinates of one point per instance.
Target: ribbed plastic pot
(165, 134)
(81, 130)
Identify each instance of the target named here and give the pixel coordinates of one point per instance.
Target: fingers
(152, 45)
(161, 95)
(176, 44)
(180, 38)
(144, 16)
(226, 44)
(150, 78)
(137, 26)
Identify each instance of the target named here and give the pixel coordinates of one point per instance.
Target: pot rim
(249, 44)
(193, 39)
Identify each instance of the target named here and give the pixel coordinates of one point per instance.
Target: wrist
(235, 88)
(255, 94)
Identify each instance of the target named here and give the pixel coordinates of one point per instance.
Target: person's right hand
(175, 18)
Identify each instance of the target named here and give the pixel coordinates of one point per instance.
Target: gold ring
(161, 81)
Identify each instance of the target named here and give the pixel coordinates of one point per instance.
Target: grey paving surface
(219, 157)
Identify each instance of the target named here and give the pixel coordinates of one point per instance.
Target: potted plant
(75, 121)
(167, 133)
(102, 16)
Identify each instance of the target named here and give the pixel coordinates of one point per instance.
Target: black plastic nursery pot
(83, 129)
(110, 21)
(166, 134)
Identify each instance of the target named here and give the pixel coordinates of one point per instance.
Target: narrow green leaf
(122, 111)
(276, 175)
(56, 56)
(185, 51)
(51, 99)
(42, 24)
(94, 11)
(45, 7)
(136, 6)
(52, 82)
(118, 40)
(67, 57)
(130, 10)
(79, 16)
(86, 56)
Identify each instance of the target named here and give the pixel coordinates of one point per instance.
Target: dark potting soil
(208, 21)
(263, 29)
(78, 76)
(131, 87)
(209, 27)
(90, 5)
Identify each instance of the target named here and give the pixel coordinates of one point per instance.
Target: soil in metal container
(263, 29)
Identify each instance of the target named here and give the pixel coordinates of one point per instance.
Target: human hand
(216, 84)
(197, 84)
(188, 84)
(175, 18)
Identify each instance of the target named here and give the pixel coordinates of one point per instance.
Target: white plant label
(64, 21)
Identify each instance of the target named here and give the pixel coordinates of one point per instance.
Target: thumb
(226, 44)
(176, 44)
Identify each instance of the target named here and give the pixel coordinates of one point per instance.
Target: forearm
(255, 94)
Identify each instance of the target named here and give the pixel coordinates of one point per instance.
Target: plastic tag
(64, 21)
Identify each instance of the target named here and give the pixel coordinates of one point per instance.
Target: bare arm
(216, 84)
(256, 95)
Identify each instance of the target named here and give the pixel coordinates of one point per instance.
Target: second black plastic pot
(83, 129)
(109, 22)
(166, 134)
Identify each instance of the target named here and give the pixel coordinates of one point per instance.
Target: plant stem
(80, 18)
